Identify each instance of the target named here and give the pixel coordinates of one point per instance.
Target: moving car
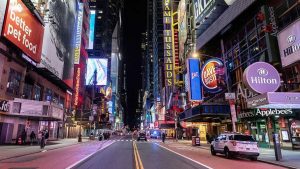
(142, 136)
(235, 144)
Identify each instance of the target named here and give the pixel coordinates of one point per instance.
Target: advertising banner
(289, 44)
(2, 12)
(182, 25)
(23, 29)
(100, 66)
(59, 40)
(92, 29)
(78, 34)
(77, 84)
(168, 42)
(213, 75)
(195, 80)
(207, 11)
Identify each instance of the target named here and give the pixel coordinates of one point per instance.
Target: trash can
(195, 141)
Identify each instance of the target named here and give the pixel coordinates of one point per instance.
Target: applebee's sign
(261, 77)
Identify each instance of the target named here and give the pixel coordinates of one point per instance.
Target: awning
(205, 112)
(283, 100)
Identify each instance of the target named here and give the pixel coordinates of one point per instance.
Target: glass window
(37, 92)
(55, 98)
(48, 95)
(243, 138)
(14, 81)
(27, 92)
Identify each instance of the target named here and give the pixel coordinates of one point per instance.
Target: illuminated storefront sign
(78, 34)
(261, 77)
(168, 42)
(212, 75)
(266, 112)
(77, 85)
(195, 80)
(289, 44)
(207, 11)
(23, 29)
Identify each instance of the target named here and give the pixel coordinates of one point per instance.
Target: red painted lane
(216, 162)
(58, 159)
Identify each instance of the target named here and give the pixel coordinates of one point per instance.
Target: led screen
(92, 29)
(99, 65)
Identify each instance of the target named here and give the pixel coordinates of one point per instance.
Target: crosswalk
(131, 140)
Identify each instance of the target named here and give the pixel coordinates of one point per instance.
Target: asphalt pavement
(129, 154)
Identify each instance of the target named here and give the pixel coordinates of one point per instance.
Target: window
(27, 92)
(48, 95)
(37, 92)
(244, 138)
(13, 84)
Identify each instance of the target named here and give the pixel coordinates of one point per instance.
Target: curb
(276, 164)
(40, 150)
(263, 161)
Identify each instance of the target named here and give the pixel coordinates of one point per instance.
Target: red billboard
(23, 29)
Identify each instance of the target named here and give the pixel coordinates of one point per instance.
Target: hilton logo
(262, 72)
(291, 39)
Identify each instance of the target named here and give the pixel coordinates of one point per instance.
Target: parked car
(142, 136)
(235, 144)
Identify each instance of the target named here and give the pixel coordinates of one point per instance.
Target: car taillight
(233, 143)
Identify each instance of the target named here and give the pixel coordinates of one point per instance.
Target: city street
(126, 153)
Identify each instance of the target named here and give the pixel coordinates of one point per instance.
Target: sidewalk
(10, 151)
(290, 159)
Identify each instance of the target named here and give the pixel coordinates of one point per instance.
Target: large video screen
(99, 65)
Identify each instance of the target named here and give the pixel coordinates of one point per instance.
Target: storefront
(206, 119)
(262, 122)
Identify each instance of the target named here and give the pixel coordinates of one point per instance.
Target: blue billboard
(92, 29)
(195, 87)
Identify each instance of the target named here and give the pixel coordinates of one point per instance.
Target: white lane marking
(78, 162)
(184, 156)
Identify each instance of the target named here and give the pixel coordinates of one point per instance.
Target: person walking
(32, 137)
(23, 136)
(46, 136)
(163, 137)
(42, 142)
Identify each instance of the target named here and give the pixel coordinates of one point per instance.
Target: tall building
(107, 46)
(36, 82)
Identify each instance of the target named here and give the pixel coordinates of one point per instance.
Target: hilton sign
(261, 77)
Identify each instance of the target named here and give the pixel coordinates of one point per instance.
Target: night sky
(134, 25)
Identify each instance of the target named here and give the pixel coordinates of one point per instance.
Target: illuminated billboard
(59, 40)
(78, 34)
(168, 42)
(100, 66)
(23, 29)
(195, 79)
(92, 29)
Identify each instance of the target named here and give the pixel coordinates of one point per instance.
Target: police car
(235, 144)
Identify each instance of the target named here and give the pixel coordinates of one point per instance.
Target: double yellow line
(137, 158)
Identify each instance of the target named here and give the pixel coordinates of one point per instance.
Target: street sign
(230, 96)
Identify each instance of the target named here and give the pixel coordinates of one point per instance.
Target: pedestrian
(207, 138)
(32, 137)
(42, 142)
(163, 137)
(39, 137)
(46, 136)
(23, 136)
